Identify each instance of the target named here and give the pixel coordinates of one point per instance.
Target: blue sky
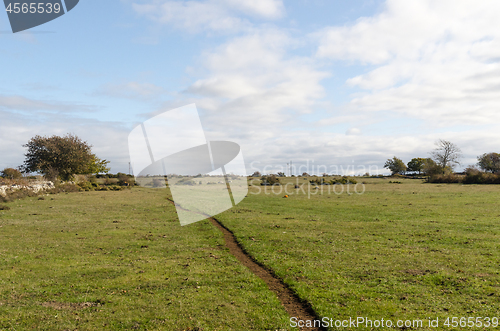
(335, 82)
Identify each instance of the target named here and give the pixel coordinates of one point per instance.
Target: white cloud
(270, 9)
(353, 132)
(434, 60)
(254, 79)
(214, 15)
(109, 139)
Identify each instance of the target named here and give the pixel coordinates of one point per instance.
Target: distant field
(399, 251)
(120, 260)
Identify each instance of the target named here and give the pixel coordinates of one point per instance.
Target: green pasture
(378, 249)
(121, 261)
(403, 250)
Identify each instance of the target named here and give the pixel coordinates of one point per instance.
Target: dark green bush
(474, 176)
(448, 178)
(186, 181)
(343, 180)
(87, 186)
(270, 180)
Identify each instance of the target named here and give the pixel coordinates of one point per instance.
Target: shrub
(186, 181)
(125, 180)
(474, 176)
(159, 182)
(448, 178)
(343, 180)
(319, 181)
(270, 180)
(11, 173)
(115, 187)
(87, 186)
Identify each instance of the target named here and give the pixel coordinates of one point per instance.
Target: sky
(334, 86)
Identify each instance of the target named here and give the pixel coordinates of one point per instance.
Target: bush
(86, 186)
(343, 180)
(158, 182)
(115, 187)
(448, 178)
(186, 181)
(270, 180)
(125, 180)
(474, 176)
(11, 173)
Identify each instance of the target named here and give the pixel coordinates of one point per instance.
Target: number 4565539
(33, 8)
(472, 322)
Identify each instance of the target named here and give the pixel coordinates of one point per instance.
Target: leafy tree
(430, 168)
(416, 165)
(61, 157)
(281, 174)
(395, 165)
(446, 155)
(11, 173)
(97, 166)
(256, 174)
(489, 162)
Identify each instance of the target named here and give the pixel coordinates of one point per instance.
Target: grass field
(404, 250)
(120, 260)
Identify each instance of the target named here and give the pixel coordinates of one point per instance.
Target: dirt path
(293, 305)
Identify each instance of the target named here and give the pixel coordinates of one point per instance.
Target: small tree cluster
(444, 158)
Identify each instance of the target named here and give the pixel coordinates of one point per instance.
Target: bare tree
(447, 154)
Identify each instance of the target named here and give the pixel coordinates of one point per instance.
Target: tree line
(443, 160)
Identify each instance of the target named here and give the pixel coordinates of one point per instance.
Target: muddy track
(294, 306)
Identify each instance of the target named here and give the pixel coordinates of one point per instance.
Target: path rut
(294, 306)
